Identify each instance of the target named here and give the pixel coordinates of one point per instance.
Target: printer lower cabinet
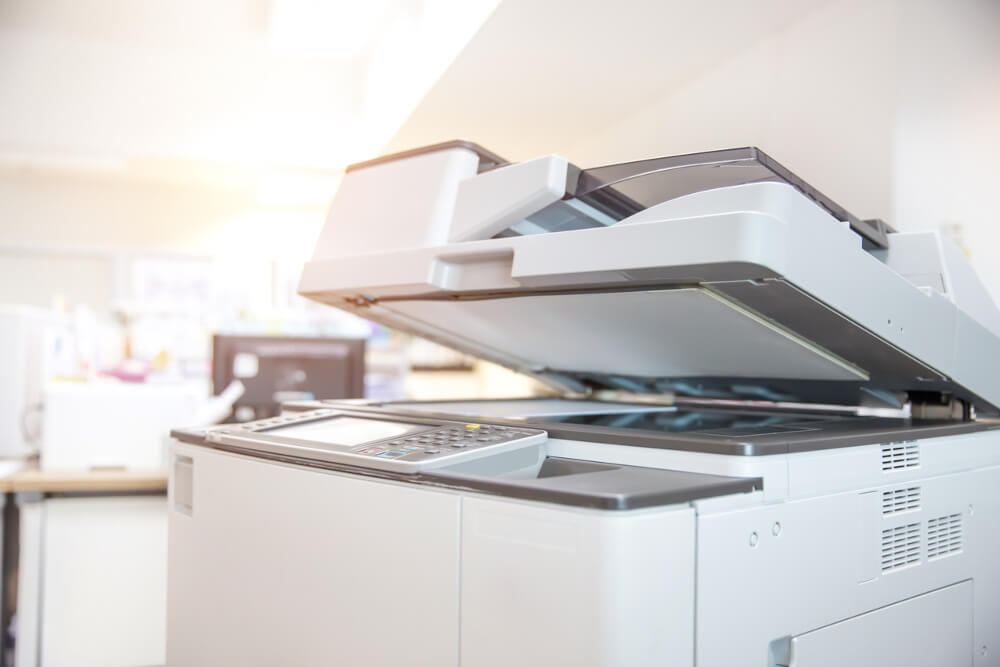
(272, 564)
(544, 586)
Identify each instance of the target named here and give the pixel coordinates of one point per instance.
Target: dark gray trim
(604, 486)
(196, 436)
(11, 553)
(487, 159)
(105, 494)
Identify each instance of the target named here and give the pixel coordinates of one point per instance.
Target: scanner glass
(692, 421)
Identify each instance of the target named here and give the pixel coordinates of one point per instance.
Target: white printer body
(771, 443)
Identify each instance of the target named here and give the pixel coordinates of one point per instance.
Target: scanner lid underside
(688, 341)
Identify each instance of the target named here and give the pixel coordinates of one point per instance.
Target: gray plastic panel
(661, 334)
(603, 486)
(487, 159)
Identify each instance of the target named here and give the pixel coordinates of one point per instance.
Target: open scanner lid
(718, 275)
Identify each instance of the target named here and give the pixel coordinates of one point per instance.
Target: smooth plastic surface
(375, 208)
(931, 629)
(494, 201)
(283, 565)
(664, 333)
(543, 586)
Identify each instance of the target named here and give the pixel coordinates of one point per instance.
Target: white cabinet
(92, 582)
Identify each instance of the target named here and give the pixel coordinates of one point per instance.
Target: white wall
(539, 77)
(40, 279)
(890, 107)
(52, 208)
(69, 236)
(816, 95)
(946, 160)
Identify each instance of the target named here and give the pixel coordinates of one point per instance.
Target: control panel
(374, 441)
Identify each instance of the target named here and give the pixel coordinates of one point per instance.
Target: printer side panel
(546, 586)
(272, 564)
(777, 581)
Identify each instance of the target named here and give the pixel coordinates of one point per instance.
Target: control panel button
(391, 454)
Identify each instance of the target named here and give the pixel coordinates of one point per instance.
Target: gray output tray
(603, 485)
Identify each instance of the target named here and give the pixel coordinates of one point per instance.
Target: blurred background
(165, 167)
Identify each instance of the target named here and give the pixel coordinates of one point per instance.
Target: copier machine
(769, 440)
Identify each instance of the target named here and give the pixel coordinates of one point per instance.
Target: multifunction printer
(767, 438)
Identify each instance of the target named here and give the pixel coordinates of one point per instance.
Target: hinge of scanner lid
(937, 405)
(360, 301)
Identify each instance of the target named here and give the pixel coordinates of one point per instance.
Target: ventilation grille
(900, 455)
(944, 536)
(900, 500)
(900, 546)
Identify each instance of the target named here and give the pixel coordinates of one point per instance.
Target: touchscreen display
(347, 431)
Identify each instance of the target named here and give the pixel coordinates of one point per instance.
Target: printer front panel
(275, 564)
(544, 585)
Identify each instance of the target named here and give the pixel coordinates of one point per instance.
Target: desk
(89, 552)
(33, 480)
